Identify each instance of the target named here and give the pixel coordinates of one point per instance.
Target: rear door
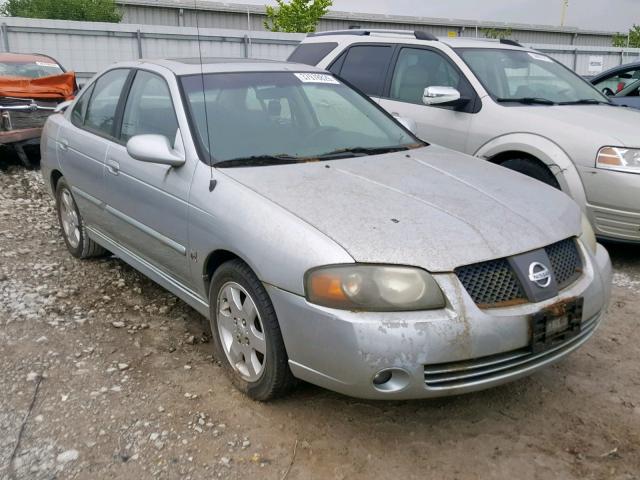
(147, 202)
(82, 143)
(365, 67)
(416, 68)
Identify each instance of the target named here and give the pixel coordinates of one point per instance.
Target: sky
(608, 15)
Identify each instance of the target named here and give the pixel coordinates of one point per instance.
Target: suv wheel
(246, 334)
(533, 169)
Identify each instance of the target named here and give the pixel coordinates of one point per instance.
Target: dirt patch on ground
(127, 388)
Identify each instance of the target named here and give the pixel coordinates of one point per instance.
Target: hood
(54, 87)
(431, 207)
(604, 124)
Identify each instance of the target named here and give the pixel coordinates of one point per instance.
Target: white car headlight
(587, 237)
(373, 288)
(619, 158)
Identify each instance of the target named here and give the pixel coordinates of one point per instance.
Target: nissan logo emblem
(539, 274)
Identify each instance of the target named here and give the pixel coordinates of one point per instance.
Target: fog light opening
(391, 380)
(382, 377)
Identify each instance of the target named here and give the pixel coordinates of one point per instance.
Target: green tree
(82, 10)
(497, 33)
(296, 16)
(633, 38)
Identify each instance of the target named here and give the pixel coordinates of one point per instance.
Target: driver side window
(417, 69)
(618, 82)
(149, 109)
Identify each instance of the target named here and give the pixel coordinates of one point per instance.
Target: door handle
(113, 166)
(64, 144)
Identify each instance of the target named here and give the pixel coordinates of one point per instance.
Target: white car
(499, 101)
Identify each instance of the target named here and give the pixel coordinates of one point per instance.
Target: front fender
(547, 152)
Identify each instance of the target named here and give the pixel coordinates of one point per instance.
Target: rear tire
(73, 229)
(534, 169)
(246, 334)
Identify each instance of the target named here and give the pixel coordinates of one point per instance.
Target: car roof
(410, 36)
(191, 66)
(25, 57)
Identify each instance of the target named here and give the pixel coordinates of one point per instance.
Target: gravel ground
(105, 375)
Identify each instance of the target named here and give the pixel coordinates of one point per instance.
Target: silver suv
(499, 101)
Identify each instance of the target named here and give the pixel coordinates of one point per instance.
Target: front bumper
(613, 204)
(17, 136)
(455, 350)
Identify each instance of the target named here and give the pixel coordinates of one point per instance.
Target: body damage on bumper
(343, 350)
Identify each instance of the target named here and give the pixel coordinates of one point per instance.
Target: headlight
(373, 288)
(619, 158)
(587, 236)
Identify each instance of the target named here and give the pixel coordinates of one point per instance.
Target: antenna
(212, 181)
(563, 15)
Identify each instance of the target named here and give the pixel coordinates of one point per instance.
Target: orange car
(31, 87)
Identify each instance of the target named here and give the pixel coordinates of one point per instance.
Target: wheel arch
(543, 150)
(214, 260)
(54, 178)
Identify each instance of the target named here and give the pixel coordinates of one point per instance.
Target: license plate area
(556, 324)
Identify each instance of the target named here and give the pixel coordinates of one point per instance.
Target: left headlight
(373, 288)
(619, 158)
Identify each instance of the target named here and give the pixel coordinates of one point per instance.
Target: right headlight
(619, 158)
(376, 288)
(587, 236)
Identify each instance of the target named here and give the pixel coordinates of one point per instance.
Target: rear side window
(365, 66)
(311, 53)
(101, 112)
(80, 108)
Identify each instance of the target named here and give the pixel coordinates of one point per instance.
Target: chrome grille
(491, 283)
(443, 376)
(565, 262)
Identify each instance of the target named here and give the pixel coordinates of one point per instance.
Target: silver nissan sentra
(321, 238)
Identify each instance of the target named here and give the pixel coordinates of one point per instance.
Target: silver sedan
(320, 237)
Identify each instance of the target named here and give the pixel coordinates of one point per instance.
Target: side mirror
(154, 149)
(407, 123)
(445, 96)
(608, 92)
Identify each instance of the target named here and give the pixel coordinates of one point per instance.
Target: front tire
(73, 229)
(534, 169)
(246, 334)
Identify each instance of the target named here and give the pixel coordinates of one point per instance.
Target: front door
(416, 69)
(147, 202)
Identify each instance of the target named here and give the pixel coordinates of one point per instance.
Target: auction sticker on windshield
(316, 78)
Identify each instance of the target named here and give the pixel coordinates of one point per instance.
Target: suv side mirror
(154, 149)
(444, 96)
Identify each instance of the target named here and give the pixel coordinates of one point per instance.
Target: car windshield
(245, 117)
(29, 69)
(517, 75)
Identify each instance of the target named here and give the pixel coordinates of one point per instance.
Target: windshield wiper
(527, 100)
(585, 101)
(258, 161)
(359, 152)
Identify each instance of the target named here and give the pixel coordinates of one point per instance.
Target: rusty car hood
(54, 87)
(430, 207)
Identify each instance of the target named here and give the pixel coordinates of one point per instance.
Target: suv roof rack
(508, 41)
(419, 34)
